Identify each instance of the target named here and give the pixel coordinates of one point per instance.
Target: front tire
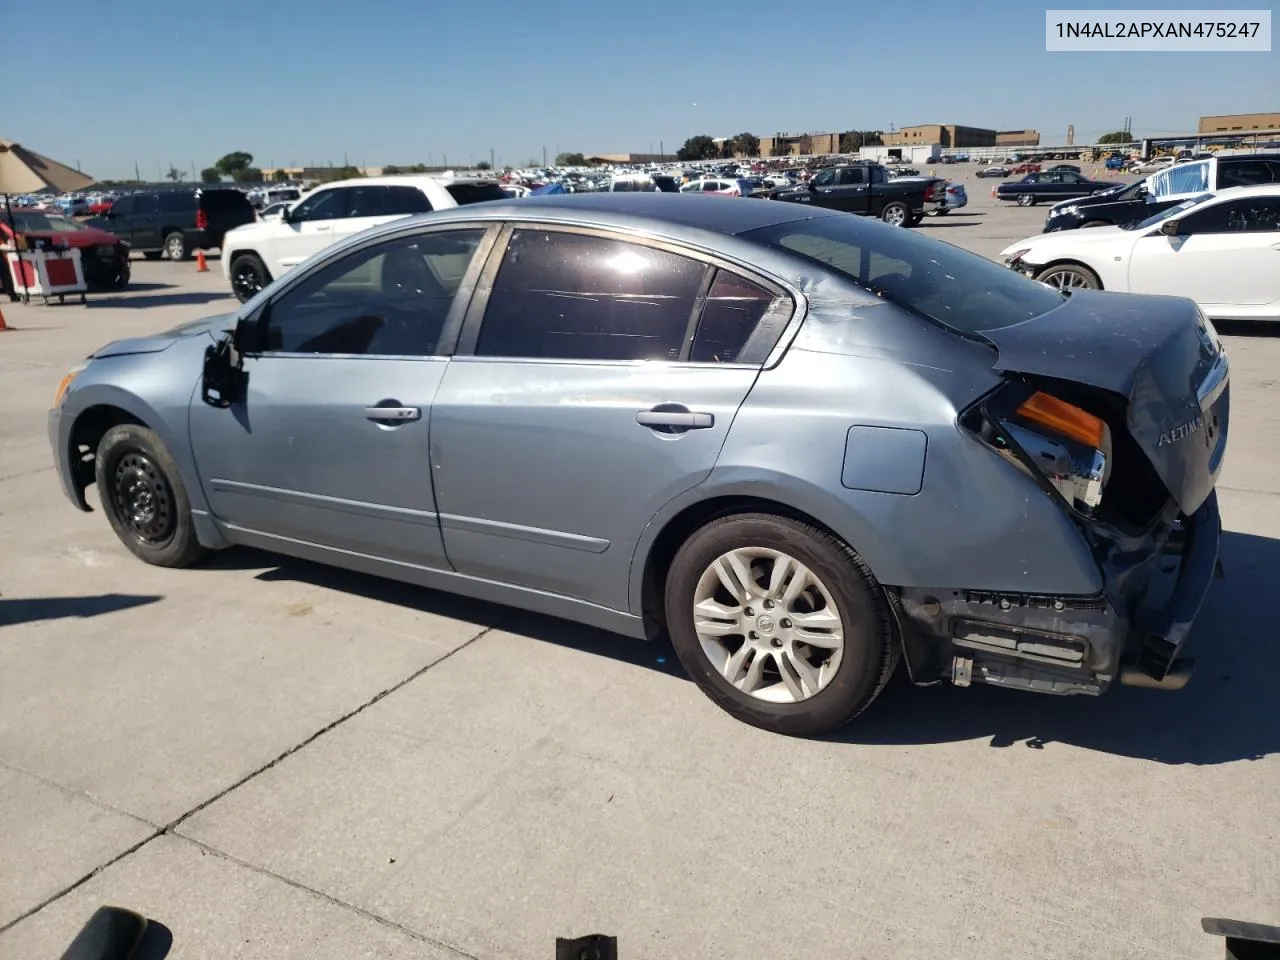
(248, 275)
(780, 623)
(143, 497)
(1069, 276)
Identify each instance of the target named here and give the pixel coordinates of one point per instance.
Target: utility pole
(137, 174)
(159, 172)
(491, 161)
(193, 171)
(544, 156)
(662, 150)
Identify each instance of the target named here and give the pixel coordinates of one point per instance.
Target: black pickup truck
(865, 188)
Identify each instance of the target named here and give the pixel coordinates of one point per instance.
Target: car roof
(724, 215)
(412, 180)
(1252, 190)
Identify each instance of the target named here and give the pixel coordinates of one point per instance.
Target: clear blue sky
(404, 81)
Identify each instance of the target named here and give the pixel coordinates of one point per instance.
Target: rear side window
(465, 193)
(733, 310)
(935, 280)
(145, 203)
(215, 202)
(407, 200)
(370, 201)
(177, 202)
(573, 297)
(1247, 173)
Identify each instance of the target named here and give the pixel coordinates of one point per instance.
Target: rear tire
(896, 214)
(1026, 200)
(830, 678)
(175, 245)
(143, 497)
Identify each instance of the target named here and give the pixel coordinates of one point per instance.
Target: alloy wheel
(768, 624)
(246, 280)
(177, 247)
(1066, 280)
(895, 216)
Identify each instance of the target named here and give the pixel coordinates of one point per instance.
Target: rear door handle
(393, 414)
(684, 419)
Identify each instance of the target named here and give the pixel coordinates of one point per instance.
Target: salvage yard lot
(274, 758)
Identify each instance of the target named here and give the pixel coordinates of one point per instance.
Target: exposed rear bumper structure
(1069, 644)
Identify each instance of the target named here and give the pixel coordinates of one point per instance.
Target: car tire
(248, 275)
(1069, 276)
(1026, 200)
(144, 499)
(835, 577)
(121, 280)
(152, 254)
(175, 245)
(896, 214)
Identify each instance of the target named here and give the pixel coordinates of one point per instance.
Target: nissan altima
(804, 445)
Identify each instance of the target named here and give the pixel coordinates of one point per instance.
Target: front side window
(935, 280)
(367, 201)
(852, 177)
(825, 178)
(388, 300)
(321, 205)
(122, 207)
(574, 297)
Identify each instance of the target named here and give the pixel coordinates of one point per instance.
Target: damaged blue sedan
(805, 445)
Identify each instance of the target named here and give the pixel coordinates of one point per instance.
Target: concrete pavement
(272, 758)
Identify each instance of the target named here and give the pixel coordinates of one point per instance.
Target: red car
(1026, 167)
(104, 257)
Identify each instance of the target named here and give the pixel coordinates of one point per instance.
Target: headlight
(64, 385)
(1069, 208)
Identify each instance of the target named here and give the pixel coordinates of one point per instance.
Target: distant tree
(176, 175)
(210, 175)
(416, 168)
(747, 144)
(570, 160)
(805, 146)
(391, 171)
(233, 163)
(281, 175)
(484, 165)
(340, 173)
(1119, 136)
(701, 147)
(247, 175)
(853, 140)
(780, 148)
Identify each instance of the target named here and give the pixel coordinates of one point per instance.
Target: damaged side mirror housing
(223, 379)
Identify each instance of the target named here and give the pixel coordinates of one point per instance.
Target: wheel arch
(681, 517)
(87, 430)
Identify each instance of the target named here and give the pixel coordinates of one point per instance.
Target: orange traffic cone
(993, 191)
(3, 326)
(201, 266)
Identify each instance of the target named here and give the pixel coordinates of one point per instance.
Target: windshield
(1173, 211)
(935, 280)
(465, 193)
(44, 223)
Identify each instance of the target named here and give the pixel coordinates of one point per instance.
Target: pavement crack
(72, 791)
(329, 898)
(24, 473)
(355, 712)
(83, 880)
(173, 824)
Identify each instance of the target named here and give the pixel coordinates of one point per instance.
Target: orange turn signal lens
(1063, 418)
(63, 385)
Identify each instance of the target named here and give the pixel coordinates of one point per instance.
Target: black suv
(1126, 204)
(176, 221)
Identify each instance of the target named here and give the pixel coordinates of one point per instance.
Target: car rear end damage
(1124, 426)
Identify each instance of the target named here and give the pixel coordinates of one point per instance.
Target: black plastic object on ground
(1245, 941)
(597, 946)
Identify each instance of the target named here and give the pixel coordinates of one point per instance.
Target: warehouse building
(1240, 123)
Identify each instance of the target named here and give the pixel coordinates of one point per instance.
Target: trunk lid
(1155, 351)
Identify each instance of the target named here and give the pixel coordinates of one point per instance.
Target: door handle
(682, 419)
(391, 414)
(324, 229)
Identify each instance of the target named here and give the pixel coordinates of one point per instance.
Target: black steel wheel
(143, 497)
(248, 276)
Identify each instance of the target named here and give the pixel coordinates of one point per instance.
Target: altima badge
(1180, 432)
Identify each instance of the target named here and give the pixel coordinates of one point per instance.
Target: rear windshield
(465, 193)
(931, 279)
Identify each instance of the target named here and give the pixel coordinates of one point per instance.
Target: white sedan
(1221, 250)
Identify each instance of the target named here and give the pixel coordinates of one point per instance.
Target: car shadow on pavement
(128, 302)
(31, 609)
(656, 655)
(1229, 711)
(1246, 328)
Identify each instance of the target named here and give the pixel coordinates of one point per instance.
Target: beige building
(1240, 122)
(799, 144)
(1017, 138)
(949, 135)
(628, 157)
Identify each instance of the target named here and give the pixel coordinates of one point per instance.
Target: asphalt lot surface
(275, 759)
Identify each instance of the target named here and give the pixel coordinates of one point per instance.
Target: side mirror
(284, 215)
(1171, 228)
(223, 379)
